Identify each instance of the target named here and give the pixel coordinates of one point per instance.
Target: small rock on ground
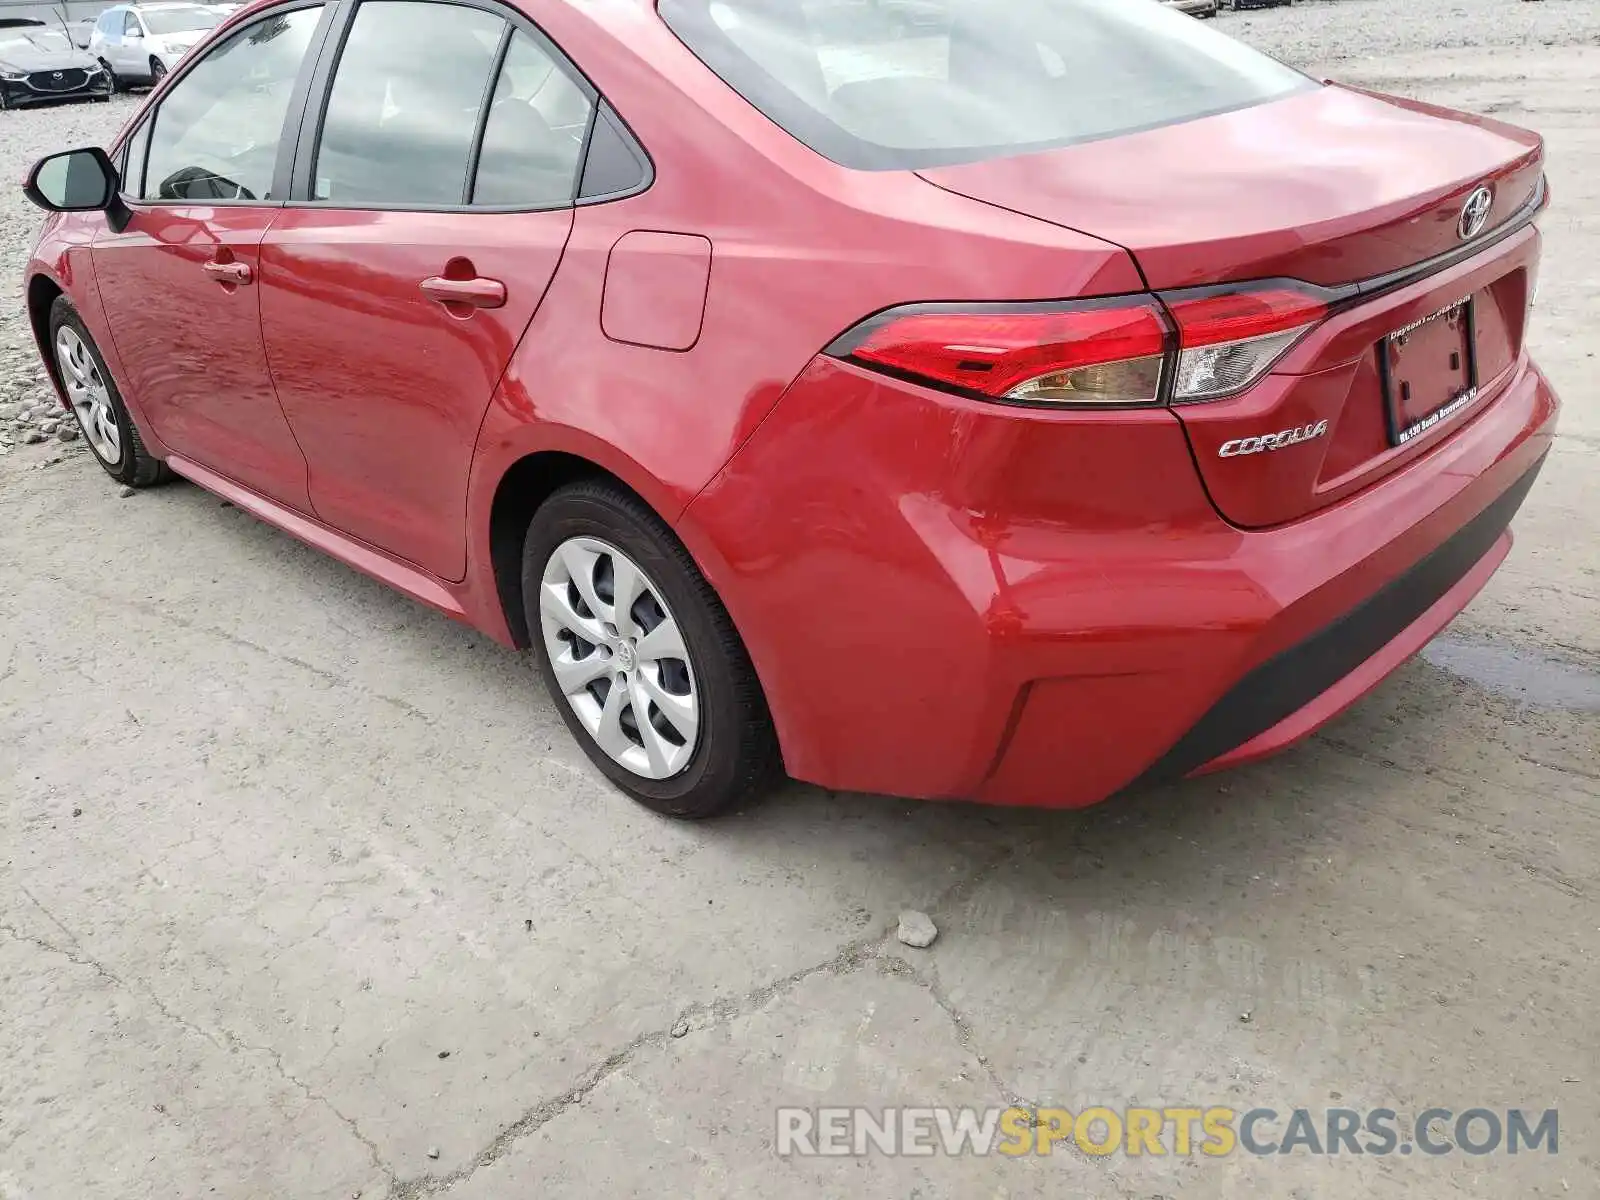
(917, 929)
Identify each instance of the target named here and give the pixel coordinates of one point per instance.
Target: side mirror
(133, 35)
(73, 181)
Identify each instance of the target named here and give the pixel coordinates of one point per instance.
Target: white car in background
(140, 43)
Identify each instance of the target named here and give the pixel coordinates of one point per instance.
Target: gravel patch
(1332, 31)
(28, 405)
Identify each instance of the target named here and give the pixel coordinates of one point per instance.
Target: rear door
(180, 279)
(432, 204)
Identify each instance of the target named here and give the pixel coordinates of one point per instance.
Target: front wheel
(158, 72)
(103, 418)
(640, 657)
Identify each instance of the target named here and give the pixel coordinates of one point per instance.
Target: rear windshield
(180, 20)
(898, 84)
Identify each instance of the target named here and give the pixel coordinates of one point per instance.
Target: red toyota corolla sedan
(938, 397)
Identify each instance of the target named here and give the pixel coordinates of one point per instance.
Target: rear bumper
(1299, 690)
(943, 600)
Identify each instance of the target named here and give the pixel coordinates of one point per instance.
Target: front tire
(158, 72)
(640, 657)
(102, 417)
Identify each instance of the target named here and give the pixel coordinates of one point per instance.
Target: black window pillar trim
(469, 183)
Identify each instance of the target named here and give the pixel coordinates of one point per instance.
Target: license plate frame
(1404, 427)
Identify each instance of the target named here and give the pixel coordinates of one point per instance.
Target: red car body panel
(1329, 186)
(195, 356)
(943, 596)
(389, 436)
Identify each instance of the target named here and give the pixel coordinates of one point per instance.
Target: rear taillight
(1188, 346)
(1082, 353)
(1230, 339)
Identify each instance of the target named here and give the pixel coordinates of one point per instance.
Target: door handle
(474, 293)
(229, 272)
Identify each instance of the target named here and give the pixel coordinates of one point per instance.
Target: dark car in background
(39, 64)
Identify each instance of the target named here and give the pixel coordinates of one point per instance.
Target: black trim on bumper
(1283, 685)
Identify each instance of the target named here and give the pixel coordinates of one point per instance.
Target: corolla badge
(1272, 441)
(1475, 214)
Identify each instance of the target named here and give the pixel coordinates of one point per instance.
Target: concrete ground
(306, 892)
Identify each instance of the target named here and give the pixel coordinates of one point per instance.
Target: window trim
(647, 175)
(291, 118)
(300, 191)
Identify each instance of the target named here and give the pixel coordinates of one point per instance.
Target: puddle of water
(1518, 674)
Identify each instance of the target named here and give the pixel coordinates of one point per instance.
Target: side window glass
(132, 165)
(216, 134)
(533, 140)
(107, 23)
(615, 164)
(130, 25)
(405, 104)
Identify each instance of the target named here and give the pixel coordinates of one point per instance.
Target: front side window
(405, 105)
(130, 26)
(898, 84)
(533, 140)
(216, 134)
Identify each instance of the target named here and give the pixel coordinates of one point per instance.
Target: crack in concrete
(850, 958)
(699, 1017)
(330, 677)
(227, 1042)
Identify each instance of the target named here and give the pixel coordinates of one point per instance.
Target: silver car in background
(140, 43)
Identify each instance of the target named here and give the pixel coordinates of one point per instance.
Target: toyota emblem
(1475, 214)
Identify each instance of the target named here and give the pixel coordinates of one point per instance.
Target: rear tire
(103, 419)
(594, 539)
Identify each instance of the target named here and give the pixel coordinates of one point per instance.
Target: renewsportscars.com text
(1214, 1131)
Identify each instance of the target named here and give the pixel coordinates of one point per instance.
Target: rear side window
(533, 140)
(405, 105)
(900, 84)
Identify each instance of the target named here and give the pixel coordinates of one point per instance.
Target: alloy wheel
(88, 395)
(619, 657)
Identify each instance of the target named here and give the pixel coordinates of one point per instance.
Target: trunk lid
(1333, 187)
(1330, 186)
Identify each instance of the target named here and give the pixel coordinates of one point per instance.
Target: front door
(181, 282)
(128, 57)
(394, 292)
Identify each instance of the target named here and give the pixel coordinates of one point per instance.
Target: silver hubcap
(88, 395)
(619, 657)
